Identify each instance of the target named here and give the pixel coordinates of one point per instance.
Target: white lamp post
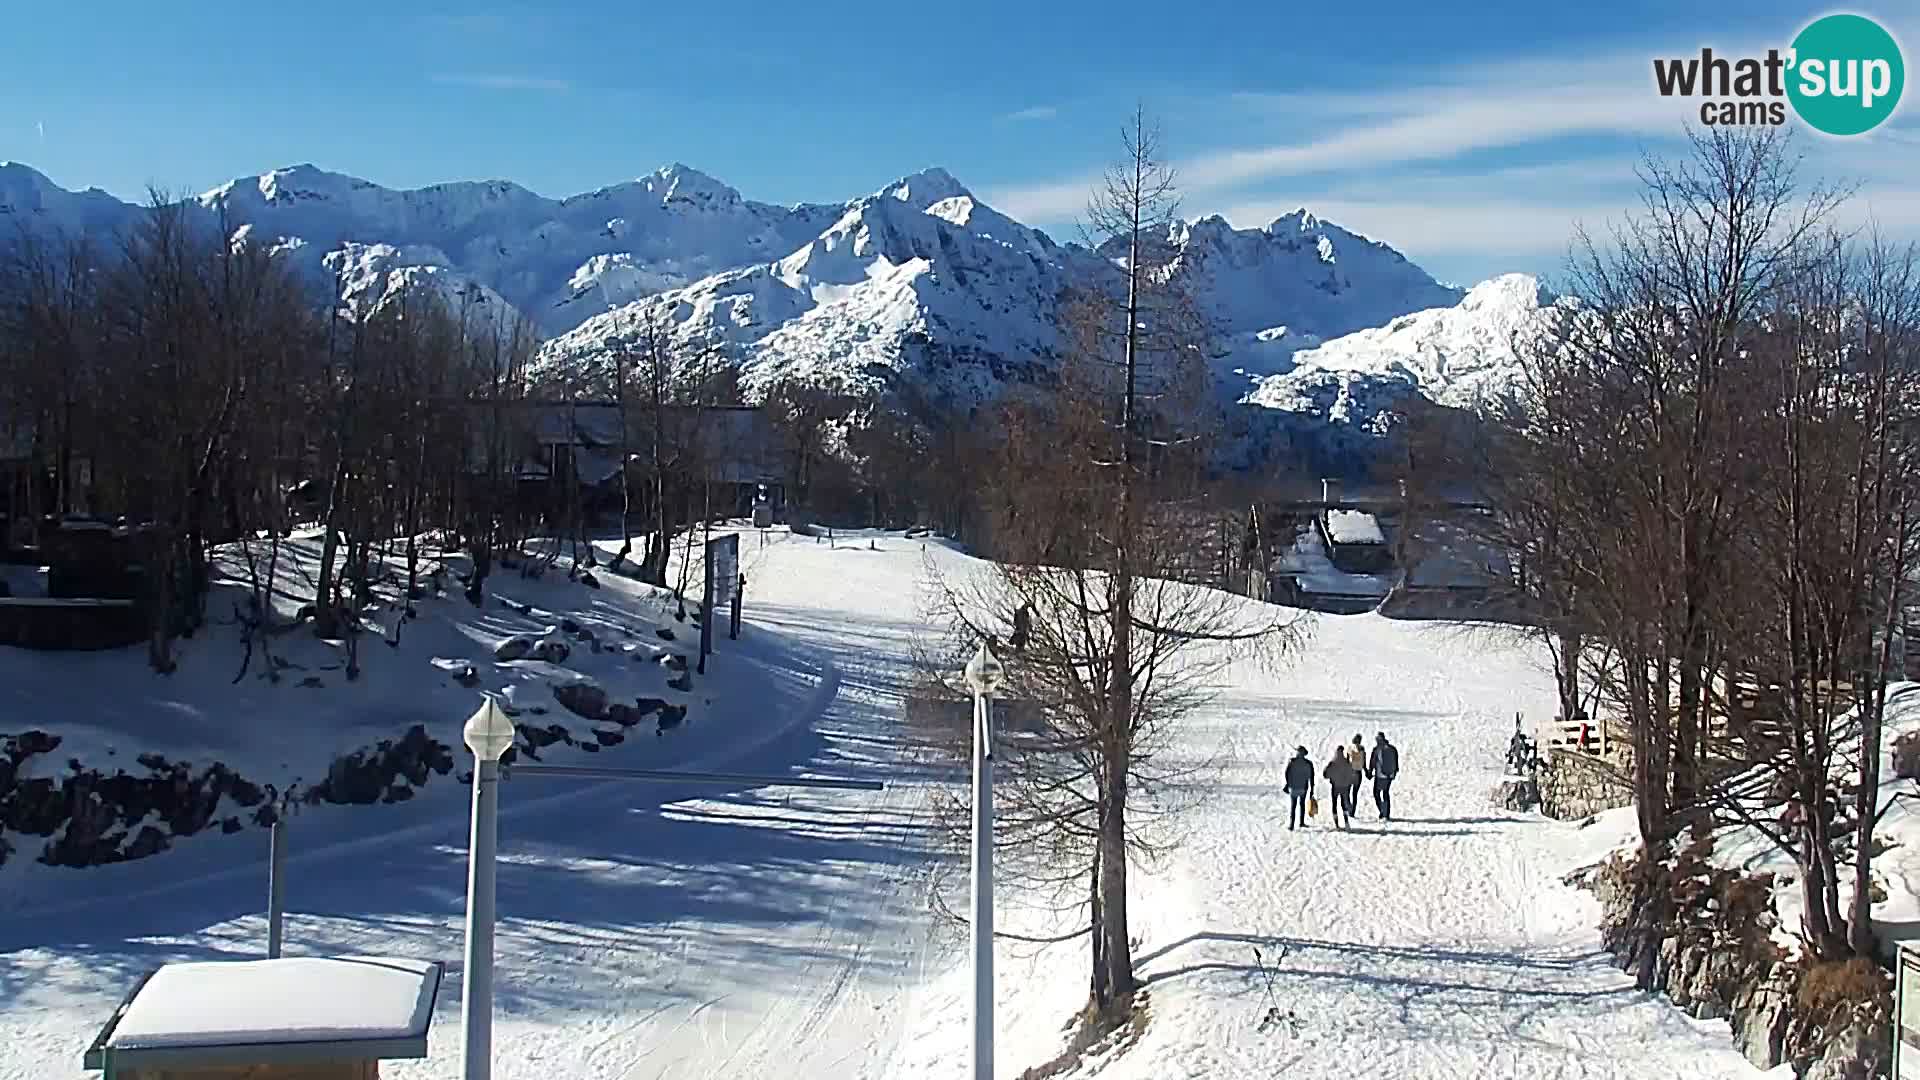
(984, 676)
(489, 732)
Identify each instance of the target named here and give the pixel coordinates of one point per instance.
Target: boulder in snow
(518, 647)
(583, 697)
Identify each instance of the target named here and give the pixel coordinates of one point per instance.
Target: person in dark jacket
(1383, 766)
(1342, 780)
(1299, 787)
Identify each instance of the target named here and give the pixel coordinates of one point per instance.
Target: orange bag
(1313, 806)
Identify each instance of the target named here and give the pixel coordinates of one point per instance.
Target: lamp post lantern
(488, 733)
(984, 675)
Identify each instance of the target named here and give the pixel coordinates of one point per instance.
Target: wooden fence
(1741, 722)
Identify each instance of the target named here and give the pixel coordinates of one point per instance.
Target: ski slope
(673, 931)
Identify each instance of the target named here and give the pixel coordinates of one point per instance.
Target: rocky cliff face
(1705, 937)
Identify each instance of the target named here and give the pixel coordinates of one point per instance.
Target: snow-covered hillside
(559, 261)
(1296, 283)
(30, 201)
(673, 930)
(1455, 355)
(920, 279)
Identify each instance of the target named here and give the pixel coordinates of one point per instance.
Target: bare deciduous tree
(1115, 653)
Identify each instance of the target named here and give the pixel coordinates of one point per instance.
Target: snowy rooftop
(1354, 527)
(292, 1000)
(1307, 563)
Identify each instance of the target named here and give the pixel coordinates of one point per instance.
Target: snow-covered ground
(747, 931)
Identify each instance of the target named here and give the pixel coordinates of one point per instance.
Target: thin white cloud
(504, 82)
(1401, 165)
(1060, 200)
(1033, 112)
(41, 127)
(1455, 221)
(1448, 113)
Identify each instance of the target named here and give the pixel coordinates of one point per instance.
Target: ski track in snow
(660, 931)
(1436, 944)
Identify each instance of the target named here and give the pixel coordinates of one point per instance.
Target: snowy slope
(1439, 945)
(924, 279)
(31, 201)
(919, 278)
(1296, 283)
(753, 930)
(556, 261)
(380, 274)
(1454, 354)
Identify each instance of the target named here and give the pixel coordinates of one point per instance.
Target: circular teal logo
(1847, 74)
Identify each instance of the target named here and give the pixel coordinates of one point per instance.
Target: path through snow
(652, 932)
(1439, 945)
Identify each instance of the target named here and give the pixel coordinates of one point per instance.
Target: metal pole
(276, 882)
(982, 889)
(476, 1007)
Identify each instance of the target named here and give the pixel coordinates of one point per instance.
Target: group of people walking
(1343, 772)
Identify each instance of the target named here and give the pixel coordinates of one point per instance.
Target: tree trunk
(1116, 949)
(1569, 661)
(1100, 992)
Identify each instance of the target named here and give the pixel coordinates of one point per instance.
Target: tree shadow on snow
(725, 884)
(1533, 996)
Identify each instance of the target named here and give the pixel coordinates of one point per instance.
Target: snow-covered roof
(304, 999)
(1307, 563)
(1354, 527)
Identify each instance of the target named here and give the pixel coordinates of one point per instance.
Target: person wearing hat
(1299, 786)
(1383, 766)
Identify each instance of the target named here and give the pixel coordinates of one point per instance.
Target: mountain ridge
(919, 278)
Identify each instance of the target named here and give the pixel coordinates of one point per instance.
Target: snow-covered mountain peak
(686, 184)
(29, 199)
(1457, 355)
(303, 183)
(1301, 220)
(18, 175)
(925, 188)
(1517, 292)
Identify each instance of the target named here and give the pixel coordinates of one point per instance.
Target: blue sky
(1472, 142)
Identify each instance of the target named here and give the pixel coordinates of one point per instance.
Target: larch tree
(1114, 652)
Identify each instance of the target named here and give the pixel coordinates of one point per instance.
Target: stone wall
(1704, 937)
(1574, 786)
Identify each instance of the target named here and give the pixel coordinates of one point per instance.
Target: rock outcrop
(1705, 937)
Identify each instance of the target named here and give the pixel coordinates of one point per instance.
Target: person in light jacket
(1342, 780)
(1357, 754)
(1299, 787)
